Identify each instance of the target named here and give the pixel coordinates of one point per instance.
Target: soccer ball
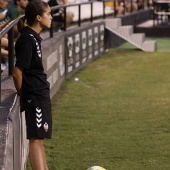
(96, 168)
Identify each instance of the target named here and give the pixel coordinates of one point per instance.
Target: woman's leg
(37, 154)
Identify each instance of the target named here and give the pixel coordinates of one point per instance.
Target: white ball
(76, 79)
(96, 168)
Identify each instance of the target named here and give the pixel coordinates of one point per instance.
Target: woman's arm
(3, 14)
(4, 42)
(4, 53)
(17, 77)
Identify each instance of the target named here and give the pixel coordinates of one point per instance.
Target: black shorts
(38, 117)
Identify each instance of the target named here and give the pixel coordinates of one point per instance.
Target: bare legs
(37, 154)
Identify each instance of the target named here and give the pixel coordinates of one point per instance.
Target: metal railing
(79, 12)
(91, 12)
(8, 29)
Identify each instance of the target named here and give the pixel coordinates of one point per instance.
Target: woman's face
(22, 3)
(46, 18)
(3, 4)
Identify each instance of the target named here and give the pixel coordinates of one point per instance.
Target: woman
(59, 13)
(31, 81)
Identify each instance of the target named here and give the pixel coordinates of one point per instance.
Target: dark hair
(15, 2)
(34, 8)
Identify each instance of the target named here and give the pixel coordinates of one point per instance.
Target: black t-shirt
(29, 58)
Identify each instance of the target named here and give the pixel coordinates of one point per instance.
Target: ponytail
(21, 24)
(34, 8)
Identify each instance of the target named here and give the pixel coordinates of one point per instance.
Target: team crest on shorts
(46, 126)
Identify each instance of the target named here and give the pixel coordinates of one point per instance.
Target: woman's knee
(39, 142)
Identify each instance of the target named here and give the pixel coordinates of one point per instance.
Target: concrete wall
(112, 40)
(157, 31)
(17, 144)
(137, 17)
(83, 45)
(54, 61)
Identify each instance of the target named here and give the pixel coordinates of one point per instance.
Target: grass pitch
(117, 115)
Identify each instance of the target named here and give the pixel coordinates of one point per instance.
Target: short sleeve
(24, 55)
(12, 13)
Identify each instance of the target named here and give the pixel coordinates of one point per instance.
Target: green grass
(116, 116)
